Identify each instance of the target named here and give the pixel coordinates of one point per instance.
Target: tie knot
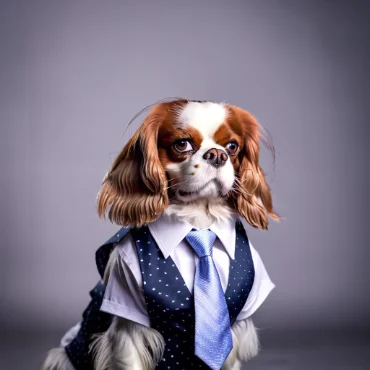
(201, 241)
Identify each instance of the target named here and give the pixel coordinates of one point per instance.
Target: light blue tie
(213, 340)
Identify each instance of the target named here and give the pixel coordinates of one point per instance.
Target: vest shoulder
(118, 236)
(103, 252)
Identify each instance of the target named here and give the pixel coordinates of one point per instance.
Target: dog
(191, 164)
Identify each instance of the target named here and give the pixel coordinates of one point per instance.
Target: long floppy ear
(135, 186)
(253, 200)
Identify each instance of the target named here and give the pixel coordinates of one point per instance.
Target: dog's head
(187, 151)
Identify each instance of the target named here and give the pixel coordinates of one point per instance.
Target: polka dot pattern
(170, 305)
(241, 275)
(169, 302)
(103, 253)
(93, 321)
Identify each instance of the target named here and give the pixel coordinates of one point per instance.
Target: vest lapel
(170, 304)
(241, 274)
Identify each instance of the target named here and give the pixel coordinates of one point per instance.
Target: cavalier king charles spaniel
(193, 161)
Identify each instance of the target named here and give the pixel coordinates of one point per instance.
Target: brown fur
(135, 188)
(254, 201)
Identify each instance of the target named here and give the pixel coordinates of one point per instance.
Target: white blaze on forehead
(206, 117)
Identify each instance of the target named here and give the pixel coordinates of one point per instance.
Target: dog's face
(185, 151)
(198, 150)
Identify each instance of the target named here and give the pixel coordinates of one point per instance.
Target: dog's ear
(253, 198)
(135, 186)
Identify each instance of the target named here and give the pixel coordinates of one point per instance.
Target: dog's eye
(183, 146)
(232, 147)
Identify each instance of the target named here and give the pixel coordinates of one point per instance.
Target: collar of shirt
(168, 233)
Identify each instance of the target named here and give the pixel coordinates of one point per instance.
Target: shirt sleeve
(262, 287)
(124, 294)
(70, 335)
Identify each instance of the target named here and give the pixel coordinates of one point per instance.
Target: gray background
(73, 73)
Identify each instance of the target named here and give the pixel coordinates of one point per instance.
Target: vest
(170, 304)
(93, 321)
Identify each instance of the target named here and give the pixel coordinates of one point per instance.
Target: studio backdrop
(73, 73)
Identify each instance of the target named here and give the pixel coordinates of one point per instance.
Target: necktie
(213, 340)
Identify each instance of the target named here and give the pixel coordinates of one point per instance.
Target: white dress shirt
(124, 294)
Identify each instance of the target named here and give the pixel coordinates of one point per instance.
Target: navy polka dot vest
(171, 305)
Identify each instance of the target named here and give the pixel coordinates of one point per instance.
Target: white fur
(246, 334)
(245, 344)
(57, 359)
(195, 174)
(124, 346)
(201, 213)
(206, 117)
(101, 349)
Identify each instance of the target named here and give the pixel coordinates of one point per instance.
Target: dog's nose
(215, 157)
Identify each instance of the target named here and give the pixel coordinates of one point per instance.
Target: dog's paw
(57, 359)
(232, 364)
